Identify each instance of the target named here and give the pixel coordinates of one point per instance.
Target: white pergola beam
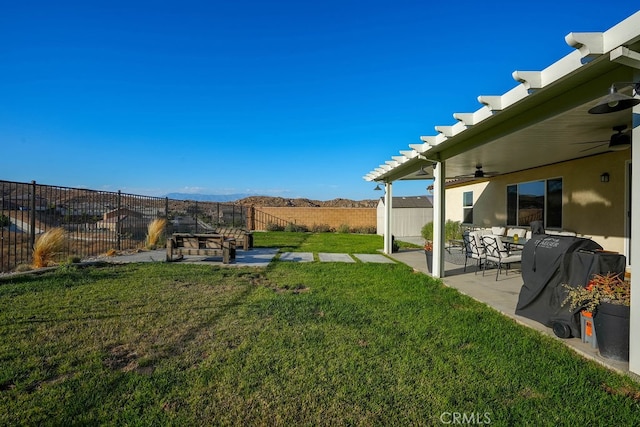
(625, 56)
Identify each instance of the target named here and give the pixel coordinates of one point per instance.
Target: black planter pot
(611, 322)
(429, 260)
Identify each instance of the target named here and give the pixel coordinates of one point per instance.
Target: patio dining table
(510, 242)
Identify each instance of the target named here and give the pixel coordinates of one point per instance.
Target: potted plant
(608, 298)
(427, 234)
(428, 251)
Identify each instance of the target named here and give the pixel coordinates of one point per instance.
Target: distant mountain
(208, 197)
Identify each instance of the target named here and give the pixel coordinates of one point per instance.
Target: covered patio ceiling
(543, 120)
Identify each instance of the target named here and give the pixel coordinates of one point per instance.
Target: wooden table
(201, 244)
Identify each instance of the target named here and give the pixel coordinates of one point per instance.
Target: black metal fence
(97, 221)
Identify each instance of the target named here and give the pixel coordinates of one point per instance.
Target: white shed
(409, 215)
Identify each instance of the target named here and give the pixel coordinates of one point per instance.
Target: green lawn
(320, 242)
(290, 344)
(324, 242)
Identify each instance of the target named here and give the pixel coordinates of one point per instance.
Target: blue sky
(279, 98)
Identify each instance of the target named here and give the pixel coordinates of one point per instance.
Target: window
(554, 203)
(467, 207)
(535, 201)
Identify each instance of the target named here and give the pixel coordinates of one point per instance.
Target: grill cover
(548, 261)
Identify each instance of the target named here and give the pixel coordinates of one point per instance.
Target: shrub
(291, 227)
(48, 245)
(452, 230)
(272, 226)
(5, 221)
(427, 231)
(365, 229)
(344, 228)
(155, 232)
(608, 287)
(320, 228)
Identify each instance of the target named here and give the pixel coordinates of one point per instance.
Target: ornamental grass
(155, 232)
(48, 246)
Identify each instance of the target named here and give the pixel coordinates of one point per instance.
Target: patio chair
(473, 249)
(497, 253)
(521, 232)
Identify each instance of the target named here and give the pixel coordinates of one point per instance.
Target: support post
(634, 330)
(438, 219)
(388, 247)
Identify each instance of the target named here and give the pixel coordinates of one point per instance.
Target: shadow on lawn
(286, 241)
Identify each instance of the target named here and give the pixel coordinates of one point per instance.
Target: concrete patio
(501, 295)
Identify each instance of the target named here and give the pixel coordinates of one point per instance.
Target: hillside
(301, 202)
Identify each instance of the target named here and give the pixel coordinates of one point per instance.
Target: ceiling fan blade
(592, 148)
(473, 175)
(591, 142)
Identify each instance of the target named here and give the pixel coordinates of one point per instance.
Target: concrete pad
(374, 258)
(296, 256)
(256, 257)
(157, 255)
(327, 257)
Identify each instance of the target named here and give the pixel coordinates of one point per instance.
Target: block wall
(333, 217)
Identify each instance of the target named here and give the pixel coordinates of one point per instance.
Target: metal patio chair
(473, 249)
(497, 253)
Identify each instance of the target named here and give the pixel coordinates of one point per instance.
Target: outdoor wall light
(604, 177)
(615, 101)
(377, 188)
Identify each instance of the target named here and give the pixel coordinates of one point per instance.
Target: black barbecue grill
(549, 261)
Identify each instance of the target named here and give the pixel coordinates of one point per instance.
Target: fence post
(166, 207)
(251, 222)
(32, 217)
(118, 225)
(195, 215)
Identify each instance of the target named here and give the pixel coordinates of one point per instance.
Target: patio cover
(541, 121)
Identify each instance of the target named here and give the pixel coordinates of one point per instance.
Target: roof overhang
(543, 120)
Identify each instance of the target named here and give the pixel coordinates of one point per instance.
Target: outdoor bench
(181, 244)
(243, 237)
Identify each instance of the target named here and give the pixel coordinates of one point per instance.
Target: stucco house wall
(589, 207)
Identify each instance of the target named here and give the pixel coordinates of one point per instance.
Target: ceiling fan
(479, 173)
(618, 141)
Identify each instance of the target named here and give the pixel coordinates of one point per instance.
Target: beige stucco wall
(590, 207)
